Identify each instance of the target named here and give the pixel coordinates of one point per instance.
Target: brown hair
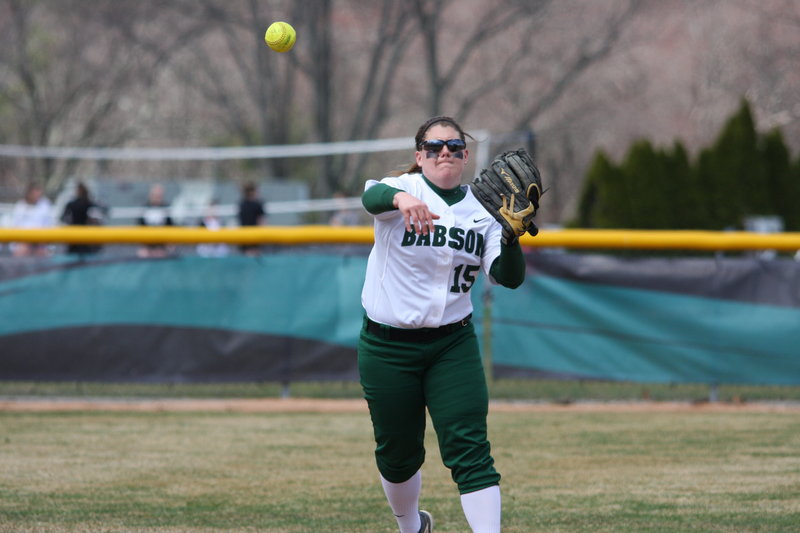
(82, 191)
(249, 189)
(420, 137)
(32, 187)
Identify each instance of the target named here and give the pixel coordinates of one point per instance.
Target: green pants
(401, 378)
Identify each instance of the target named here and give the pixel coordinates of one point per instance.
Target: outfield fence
(293, 312)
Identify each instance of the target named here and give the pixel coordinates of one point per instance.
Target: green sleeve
(509, 268)
(379, 198)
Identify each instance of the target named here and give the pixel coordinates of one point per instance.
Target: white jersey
(38, 215)
(425, 281)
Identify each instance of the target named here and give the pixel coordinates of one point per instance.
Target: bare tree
(580, 74)
(588, 49)
(72, 72)
(245, 93)
(373, 90)
(496, 24)
(465, 72)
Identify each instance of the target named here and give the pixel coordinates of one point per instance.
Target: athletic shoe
(427, 522)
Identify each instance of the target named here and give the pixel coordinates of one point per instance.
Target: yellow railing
(322, 234)
(666, 240)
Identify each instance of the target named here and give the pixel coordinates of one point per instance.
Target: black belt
(415, 335)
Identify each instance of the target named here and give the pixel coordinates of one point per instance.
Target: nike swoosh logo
(476, 220)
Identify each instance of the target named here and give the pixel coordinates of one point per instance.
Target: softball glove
(510, 189)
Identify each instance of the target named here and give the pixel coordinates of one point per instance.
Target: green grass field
(567, 470)
(501, 389)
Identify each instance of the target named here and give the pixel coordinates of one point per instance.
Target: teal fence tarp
(295, 314)
(734, 320)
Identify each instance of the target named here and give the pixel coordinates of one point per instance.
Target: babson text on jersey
(457, 238)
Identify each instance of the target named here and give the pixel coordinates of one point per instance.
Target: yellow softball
(280, 36)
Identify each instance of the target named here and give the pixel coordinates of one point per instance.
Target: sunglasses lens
(433, 146)
(456, 145)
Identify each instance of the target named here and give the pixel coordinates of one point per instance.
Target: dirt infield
(289, 405)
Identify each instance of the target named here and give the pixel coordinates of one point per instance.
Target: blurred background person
(345, 216)
(156, 214)
(34, 210)
(251, 213)
(82, 211)
(211, 221)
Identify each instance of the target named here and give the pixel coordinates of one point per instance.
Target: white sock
(404, 501)
(482, 509)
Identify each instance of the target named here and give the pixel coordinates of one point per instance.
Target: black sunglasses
(436, 145)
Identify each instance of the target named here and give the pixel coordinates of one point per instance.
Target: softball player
(418, 347)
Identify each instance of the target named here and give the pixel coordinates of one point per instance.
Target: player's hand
(417, 216)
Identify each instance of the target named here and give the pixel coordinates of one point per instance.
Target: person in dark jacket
(82, 211)
(251, 213)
